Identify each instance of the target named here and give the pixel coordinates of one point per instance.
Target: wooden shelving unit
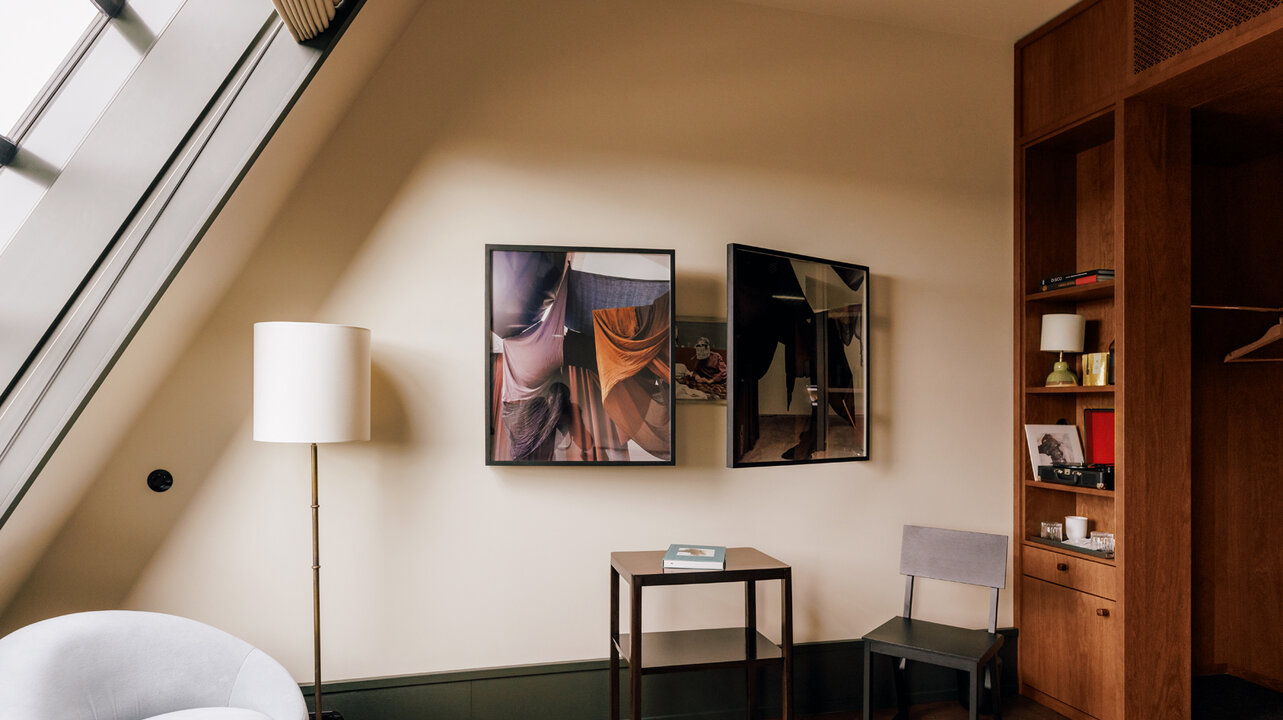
(1067, 223)
(1163, 161)
(1099, 182)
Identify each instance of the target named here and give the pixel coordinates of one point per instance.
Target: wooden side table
(655, 652)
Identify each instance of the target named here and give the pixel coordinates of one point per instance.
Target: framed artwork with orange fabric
(579, 348)
(799, 358)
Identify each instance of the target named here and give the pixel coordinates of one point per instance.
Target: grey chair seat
(943, 645)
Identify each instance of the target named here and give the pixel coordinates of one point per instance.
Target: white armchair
(126, 665)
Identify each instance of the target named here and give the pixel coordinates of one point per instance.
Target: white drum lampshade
(311, 382)
(1062, 333)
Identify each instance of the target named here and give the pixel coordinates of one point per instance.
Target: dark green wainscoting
(826, 678)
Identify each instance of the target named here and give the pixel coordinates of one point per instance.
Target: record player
(1098, 475)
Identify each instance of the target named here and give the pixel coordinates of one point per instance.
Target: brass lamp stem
(316, 584)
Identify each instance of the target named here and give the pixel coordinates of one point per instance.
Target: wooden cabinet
(1164, 161)
(1076, 659)
(1106, 187)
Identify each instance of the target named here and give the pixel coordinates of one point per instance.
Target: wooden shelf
(1068, 488)
(699, 649)
(1103, 290)
(1070, 390)
(1103, 557)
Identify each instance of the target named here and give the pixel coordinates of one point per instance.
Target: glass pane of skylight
(37, 37)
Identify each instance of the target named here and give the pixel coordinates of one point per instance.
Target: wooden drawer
(1077, 573)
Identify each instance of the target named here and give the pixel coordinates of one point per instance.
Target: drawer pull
(1103, 612)
(1062, 566)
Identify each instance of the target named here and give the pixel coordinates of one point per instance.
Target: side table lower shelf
(679, 650)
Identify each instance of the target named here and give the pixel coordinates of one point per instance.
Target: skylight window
(38, 37)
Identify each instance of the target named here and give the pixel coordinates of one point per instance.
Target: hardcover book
(695, 557)
(1081, 278)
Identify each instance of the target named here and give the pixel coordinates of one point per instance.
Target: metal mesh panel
(1166, 28)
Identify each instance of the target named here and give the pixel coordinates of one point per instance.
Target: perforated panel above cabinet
(1164, 29)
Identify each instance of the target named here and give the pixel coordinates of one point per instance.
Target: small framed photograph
(1053, 445)
(699, 360)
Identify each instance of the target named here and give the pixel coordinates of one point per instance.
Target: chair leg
(901, 688)
(996, 681)
(977, 679)
(866, 714)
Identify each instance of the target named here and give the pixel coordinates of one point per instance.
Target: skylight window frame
(27, 120)
(255, 74)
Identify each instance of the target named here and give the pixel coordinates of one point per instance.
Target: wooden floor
(1013, 708)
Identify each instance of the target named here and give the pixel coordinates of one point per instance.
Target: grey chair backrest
(956, 556)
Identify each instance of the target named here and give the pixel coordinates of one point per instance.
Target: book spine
(1102, 272)
(1086, 280)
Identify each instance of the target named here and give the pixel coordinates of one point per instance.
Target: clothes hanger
(1271, 336)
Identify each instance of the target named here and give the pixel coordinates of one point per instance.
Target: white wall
(670, 124)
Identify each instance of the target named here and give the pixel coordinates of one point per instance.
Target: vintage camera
(1100, 477)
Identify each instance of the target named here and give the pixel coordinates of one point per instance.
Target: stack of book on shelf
(1086, 277)
(695, 557)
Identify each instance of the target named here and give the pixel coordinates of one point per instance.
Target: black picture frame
(578, 352)
(775, 302)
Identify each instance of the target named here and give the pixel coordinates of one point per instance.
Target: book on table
(695, 557)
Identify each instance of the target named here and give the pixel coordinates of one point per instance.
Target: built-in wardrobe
(1237, 406)
(1149, 141)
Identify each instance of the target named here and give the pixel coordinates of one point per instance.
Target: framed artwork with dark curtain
(579, 348)
(798, 389)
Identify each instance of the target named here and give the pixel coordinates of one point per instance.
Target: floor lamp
(312, 385)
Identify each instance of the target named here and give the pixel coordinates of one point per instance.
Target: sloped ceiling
(66, 480)
(241, 225)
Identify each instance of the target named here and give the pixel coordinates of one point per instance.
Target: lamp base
(326, 715)
(1061, 375)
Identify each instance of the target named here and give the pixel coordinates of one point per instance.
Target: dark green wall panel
(827, 677)
(583, 694)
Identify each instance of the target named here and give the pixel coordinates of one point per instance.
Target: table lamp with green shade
(1062, 333)
(312, 385)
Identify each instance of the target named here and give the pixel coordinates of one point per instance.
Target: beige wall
(670, 124)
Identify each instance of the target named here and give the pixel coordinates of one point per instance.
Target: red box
(1098, 432)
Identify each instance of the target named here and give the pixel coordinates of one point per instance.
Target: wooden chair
(957, 556)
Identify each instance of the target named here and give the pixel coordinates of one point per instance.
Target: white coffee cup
(1075, 527)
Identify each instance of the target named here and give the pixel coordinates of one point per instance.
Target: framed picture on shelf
(1053, 445)
(798, 379)
(699, 360)
(579, 348)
